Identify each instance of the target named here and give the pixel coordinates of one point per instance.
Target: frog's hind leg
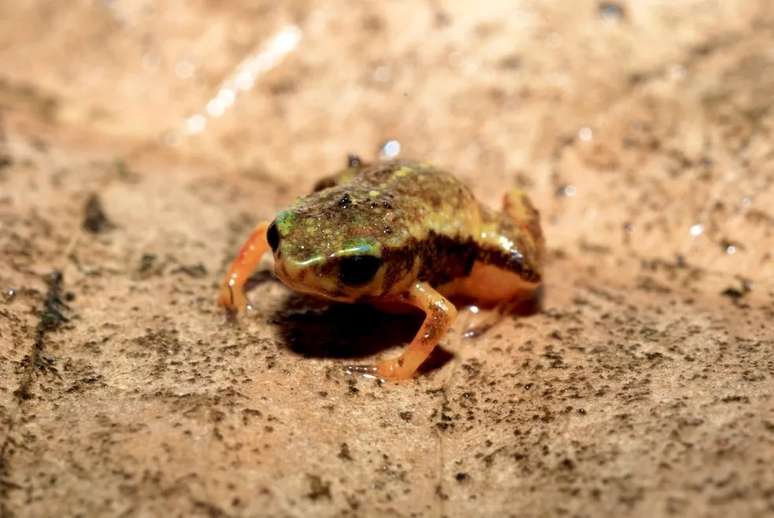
(518, 210)
(489, 286)
(510, 260)
(232, 289)
(439, 314)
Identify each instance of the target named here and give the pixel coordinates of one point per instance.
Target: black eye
(358, 269)
(272, 236)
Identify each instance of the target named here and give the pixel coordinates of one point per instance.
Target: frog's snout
(303, 276)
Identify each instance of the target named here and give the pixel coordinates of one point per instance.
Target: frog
(398, 234)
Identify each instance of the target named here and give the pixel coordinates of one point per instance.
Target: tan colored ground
(642, 388)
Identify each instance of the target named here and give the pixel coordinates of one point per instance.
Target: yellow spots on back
(373, 194)
(403, 171)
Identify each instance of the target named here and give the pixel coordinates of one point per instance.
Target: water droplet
(474, 309)
(390, 150)
(151, 61)
(729, 247)
(382, 74)
(362, 371)
(696, 230)
(746, 201)
(677, 72)
(195, 123)
(611, 11)
(9, 294)
(585, 134)
(184, 69)
(169, 137)
(566, 191)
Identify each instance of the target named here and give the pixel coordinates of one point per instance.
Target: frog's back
(450, 230)
(427, 222)
(424, 201)
(394, 203)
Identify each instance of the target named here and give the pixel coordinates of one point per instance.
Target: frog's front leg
(439, 314)
(232, 290)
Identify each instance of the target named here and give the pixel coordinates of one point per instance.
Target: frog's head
(325, 256)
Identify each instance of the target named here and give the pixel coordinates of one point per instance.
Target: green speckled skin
(422, 222)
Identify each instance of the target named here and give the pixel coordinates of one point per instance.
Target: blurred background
(641, 129)
(580, 104)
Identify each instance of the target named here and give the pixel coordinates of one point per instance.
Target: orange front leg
(440, 313)
(232, 290)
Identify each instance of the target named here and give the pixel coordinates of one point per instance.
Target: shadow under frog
(313, 328)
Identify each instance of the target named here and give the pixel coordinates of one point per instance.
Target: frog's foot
(232, 290)
(232, 297)
(440, 313)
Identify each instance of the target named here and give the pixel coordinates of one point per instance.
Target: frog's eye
(272, 236)
(358, 269)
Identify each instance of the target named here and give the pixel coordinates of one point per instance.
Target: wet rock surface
(642, 387)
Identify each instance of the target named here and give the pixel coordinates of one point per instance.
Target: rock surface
(140, 142)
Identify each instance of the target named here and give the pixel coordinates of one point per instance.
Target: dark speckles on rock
(94, 218)
(406, 416)
(735, 293)
(318, 488)
(51, 318)
(567, 464)
(196, 271)
(344, 452)
(150, 266)
(510, 62)
(353, 390)
(736, 399)
(5, 161)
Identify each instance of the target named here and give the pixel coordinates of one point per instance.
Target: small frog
(398, 233)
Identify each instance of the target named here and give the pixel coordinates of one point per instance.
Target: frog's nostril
(272, 236)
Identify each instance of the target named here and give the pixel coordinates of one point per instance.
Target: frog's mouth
(310, 278)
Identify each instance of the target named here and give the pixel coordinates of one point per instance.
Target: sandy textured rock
(643, 387)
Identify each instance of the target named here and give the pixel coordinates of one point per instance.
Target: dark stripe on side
(512, 261)
(442, 259)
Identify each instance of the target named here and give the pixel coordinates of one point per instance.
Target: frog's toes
(232, 298)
